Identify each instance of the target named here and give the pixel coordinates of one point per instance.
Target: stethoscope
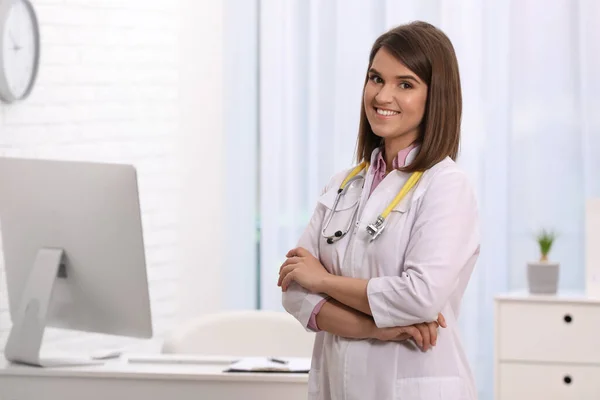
(376, 228)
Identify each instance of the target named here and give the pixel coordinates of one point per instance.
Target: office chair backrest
(252, 333)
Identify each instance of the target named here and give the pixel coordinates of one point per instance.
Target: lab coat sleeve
(443, 243)
(296, 300)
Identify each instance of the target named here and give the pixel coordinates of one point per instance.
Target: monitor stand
(29, 323)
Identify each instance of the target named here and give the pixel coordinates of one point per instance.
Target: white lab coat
(419, 266)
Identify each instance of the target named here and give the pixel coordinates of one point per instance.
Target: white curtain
(530, 132)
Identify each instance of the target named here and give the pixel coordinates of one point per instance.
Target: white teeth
(386, 113)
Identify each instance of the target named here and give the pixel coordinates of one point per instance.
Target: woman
(375, 302)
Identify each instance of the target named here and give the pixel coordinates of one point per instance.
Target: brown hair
(428, 52)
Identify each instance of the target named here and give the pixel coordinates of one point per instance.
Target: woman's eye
(405, 85)
(376, 79)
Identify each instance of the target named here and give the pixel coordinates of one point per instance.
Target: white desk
(119, 379)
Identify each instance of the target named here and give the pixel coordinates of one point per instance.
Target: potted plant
(542, 276)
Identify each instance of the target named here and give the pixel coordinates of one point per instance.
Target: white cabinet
(547, 347)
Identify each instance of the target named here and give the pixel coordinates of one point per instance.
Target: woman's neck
(391, 150)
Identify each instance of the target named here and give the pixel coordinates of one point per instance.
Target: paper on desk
(263, 364)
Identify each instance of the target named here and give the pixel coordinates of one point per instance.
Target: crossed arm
(347, 312)
(444, 238)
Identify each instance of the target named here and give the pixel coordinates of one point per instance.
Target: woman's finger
(290, 260)
(289, 278)
(441, 320)
(416, 334)
(401, 337)
(433, 332)
(298, 251)
(424, 329)
(284, 272)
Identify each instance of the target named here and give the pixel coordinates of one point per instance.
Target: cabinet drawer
(548, 382)
(557, 332)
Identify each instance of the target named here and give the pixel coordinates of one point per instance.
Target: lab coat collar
(405, 203)
(409, 158)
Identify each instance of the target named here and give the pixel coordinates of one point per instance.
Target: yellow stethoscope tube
(376, 227)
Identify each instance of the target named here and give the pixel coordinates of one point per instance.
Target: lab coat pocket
(338, 218)
(406, 203)
(431, 388)
(390, 247)
(346, 202)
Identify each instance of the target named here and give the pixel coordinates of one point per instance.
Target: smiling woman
(409, 98)
(377, 298)
(394, 101)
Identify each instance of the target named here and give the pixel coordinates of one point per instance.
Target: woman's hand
(303, 268)
(425, 334)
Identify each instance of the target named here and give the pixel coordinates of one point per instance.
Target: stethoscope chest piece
(376, 228)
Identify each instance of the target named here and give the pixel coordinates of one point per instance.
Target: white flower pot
(542, 277)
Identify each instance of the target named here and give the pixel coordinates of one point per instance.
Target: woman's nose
(384, 96)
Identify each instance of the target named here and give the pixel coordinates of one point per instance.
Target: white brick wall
(108, 91)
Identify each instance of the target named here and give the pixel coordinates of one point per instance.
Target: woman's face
(394, 100)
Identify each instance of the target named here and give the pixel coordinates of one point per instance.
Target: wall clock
(19, 49)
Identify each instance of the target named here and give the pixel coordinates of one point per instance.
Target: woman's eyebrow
(398, 77)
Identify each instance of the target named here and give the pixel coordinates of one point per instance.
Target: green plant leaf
(545, 240)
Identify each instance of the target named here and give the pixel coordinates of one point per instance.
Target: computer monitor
(73, 253)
